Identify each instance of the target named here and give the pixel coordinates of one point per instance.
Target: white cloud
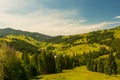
(46, 21)
(50, 22)
(117, 17)
(12, 4)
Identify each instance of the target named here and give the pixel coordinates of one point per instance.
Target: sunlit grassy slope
(27, 39)
(73, 44)
(79, 73)
(24, 38)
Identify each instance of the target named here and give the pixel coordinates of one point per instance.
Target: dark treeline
(23, 46)
(47, 62)
(13, 67)
(108, 64)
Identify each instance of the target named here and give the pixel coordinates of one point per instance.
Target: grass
(79, 73)
(77, 49)
(24, 38)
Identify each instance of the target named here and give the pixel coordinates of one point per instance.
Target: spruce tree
(111, 65)
(34, 65)
(51, 67)
(59, 63)
(47, 62)
(25, 58)
(42, 62)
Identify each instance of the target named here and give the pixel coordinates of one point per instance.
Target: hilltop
(35, 35)
(77, 44)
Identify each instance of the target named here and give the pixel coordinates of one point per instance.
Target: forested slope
(99, 51)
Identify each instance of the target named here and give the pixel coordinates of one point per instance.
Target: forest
(24, 56)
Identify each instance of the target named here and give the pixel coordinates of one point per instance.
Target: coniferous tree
(68, 62)
(95, 63)
(59, 63)
(47, 62)
(111, 65)
(25, 58)
(42, 62)
(26, 63)
(51, 67)
(34, 65)
(116, 47)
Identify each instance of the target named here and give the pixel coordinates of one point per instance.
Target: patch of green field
(79, 73)
(24, 38)
(117, 34)
(78, 49)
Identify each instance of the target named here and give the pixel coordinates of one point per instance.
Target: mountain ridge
(9, 31)
(77, 44)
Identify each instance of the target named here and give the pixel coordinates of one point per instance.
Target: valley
(63, 57)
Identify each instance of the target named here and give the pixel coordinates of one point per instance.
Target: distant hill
(87, 42)
(35, 35)
(22, 41)
(77, 44)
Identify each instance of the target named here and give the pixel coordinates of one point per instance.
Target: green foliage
(59, 53)
(116, 47)
(23, 46)
(46, 63)
(12, 68)
(34, 61)
(59, 62)
(100, 37)
(103, 65)
(25, 58)
(112, 65)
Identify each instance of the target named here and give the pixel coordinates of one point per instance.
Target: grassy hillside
(96, 50)
(22, 43)
(27, 39)
(79, 73)
(73, 44)
(87, 42)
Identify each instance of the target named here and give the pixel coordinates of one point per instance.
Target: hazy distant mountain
(35, 35)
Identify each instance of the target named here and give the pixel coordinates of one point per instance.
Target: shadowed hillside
(10, 31)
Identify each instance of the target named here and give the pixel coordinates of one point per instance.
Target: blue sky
(59, 17)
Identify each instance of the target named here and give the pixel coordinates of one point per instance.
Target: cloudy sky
(59, 17)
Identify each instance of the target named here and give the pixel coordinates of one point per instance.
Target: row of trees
(106, 65)
(46, 62)
(14, 68)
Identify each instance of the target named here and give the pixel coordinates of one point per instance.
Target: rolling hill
(90, 49)
(87, 42)
(73, 44)
(35, 35)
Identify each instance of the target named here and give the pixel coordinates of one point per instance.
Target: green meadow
(79, 73)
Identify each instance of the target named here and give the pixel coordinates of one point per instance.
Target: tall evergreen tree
(51, 67)
(42, 62)
(46, 62)
(59, 62)
(111, 65)
(34, 65)
(25, 58)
